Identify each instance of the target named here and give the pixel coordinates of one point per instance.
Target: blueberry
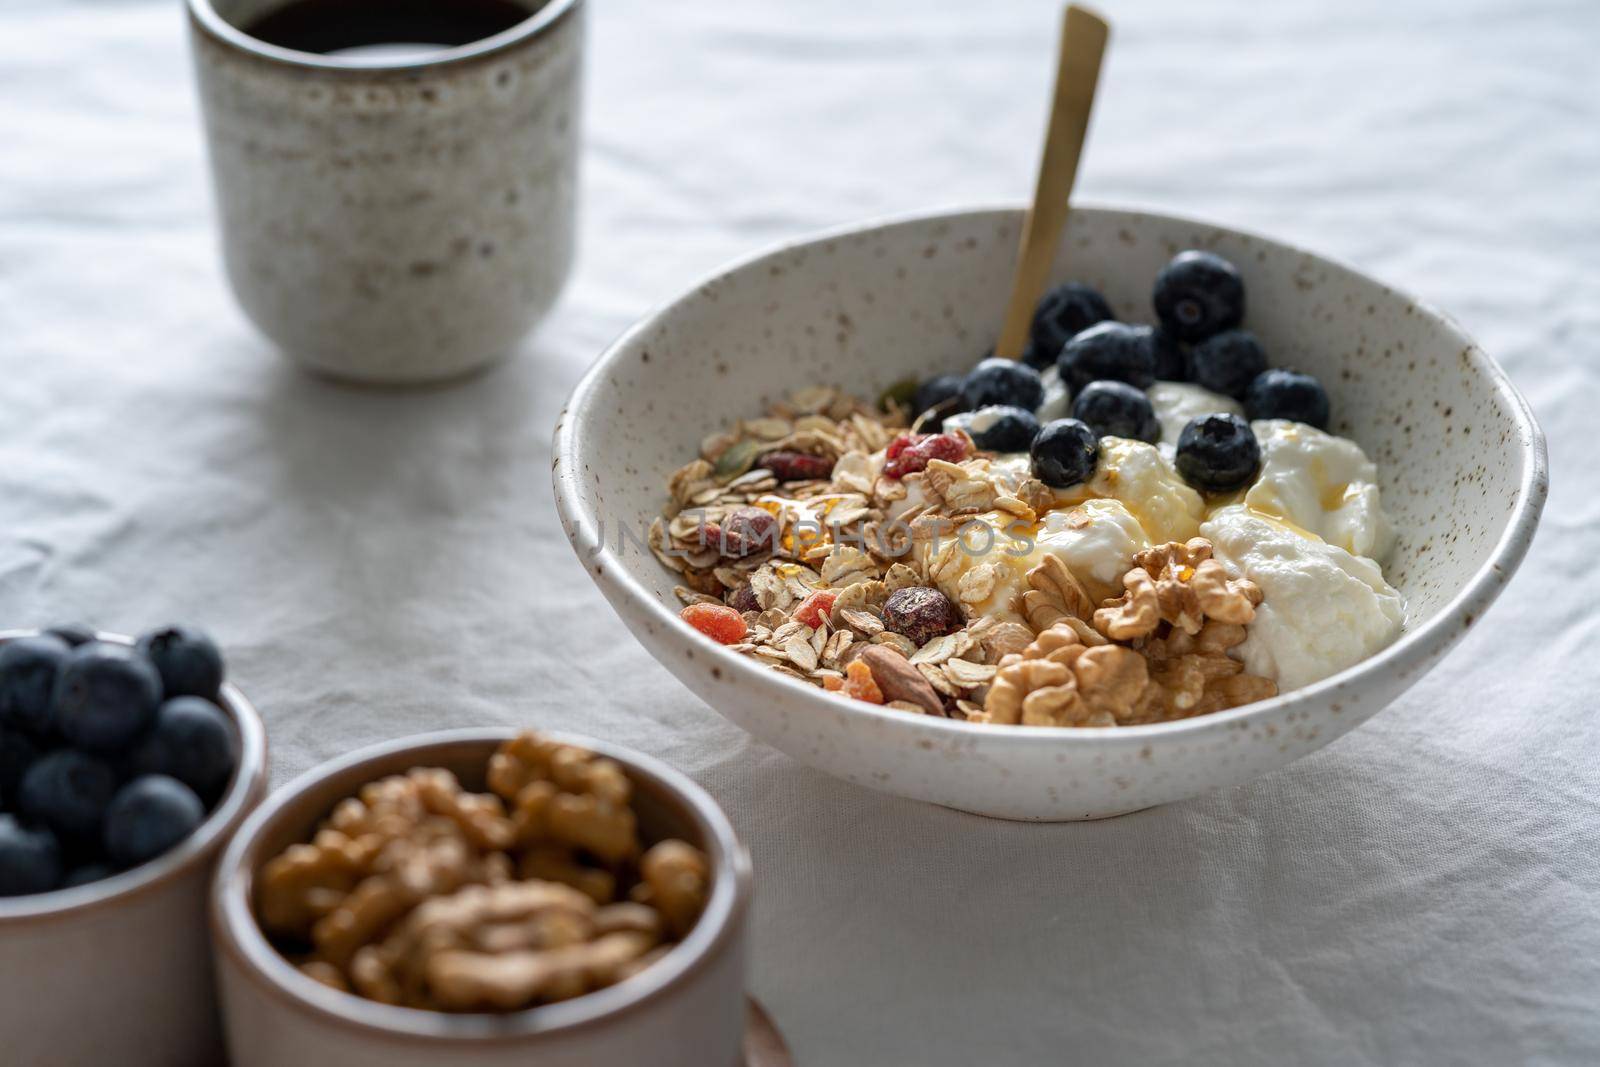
(1002, 381)
(68, 792)
(1199, 294)
(189, 662)
(73, 633)
(1065, 453)
(30, 859)
(1227, 363)
(106, 696)
(1217, 453)
(1062, 314)
(29, 669)
(1117, 409)
(1166, 352)
(148, 816)
(999, 428)
(1111, 351)
(1287, 394)
(88, 872)
(17, 753)
(935, 391)
(192, 741)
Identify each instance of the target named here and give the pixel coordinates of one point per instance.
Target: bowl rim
(243, 792)
(205, 18)
(1404, 656)
(237, 934)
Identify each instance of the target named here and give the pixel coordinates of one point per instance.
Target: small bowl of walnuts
(484, 897)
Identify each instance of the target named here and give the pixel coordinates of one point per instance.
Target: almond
(899, 680)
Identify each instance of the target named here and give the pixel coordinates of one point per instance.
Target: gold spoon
(1083, 43)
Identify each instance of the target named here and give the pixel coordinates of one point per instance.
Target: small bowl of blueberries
(125, 764)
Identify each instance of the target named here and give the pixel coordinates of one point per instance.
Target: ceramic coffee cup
(685, 1010)
(119, 971)
(401, 220)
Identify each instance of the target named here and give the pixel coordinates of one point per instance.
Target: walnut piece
(1179, 584)
(507, 918)
(306, 882)
(475, 981)
(676, 883)
(567, 796)
(1054, 594)
(1192, 674)
(553, 863)
(1003, 638)
(434, 858)
(1059, 680)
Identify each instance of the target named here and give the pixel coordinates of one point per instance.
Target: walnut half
(1179, 584)
(1061, 681)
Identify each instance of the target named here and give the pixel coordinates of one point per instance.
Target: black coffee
(377, 26)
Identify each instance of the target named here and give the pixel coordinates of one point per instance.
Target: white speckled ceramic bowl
(686, 1010)
(1461, 460)
(119, 971)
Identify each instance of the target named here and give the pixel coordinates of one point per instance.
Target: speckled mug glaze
(119, 971)
(1460, 458)
(685, 1010)
(401, 221)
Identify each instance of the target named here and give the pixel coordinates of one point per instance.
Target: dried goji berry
(859, 683)
(789, 466)
(717, 621)
(815, 607)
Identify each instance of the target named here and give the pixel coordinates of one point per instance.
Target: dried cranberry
(743, 532)
(743, 599)
(787, 466)
(921, 614)
(746, 531)
(945, 446)
(903, 442)
(910, 453)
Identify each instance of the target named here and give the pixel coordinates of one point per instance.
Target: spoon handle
(1083, 43)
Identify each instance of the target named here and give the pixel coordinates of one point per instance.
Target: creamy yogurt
(1322, 609)
(1134, 473)
(1321, 483)
(996, 546)
(1097, 540)
(1057, 397)
(973, 422)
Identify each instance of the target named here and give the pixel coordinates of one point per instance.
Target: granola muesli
(846, 581)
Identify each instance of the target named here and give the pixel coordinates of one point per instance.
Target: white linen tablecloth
(1426, 890)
